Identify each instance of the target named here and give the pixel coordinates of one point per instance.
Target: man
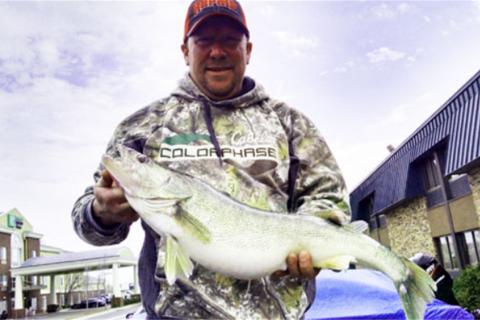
(221, 127)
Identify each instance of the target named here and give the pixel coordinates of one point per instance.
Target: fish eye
(142, 158)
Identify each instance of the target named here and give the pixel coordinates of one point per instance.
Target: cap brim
(200, 21)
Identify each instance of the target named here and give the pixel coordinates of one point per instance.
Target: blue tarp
(366, 294)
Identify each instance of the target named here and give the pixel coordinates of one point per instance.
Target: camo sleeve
(132, 132)
(319, 187)
(88, 229)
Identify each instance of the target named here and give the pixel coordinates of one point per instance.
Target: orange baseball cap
(200, 10)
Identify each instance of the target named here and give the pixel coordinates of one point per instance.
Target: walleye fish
(228, 237)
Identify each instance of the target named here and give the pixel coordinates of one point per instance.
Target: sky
(368, 73)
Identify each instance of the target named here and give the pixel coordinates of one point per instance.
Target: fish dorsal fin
(192, 225)
(359, 226)
(177, 263)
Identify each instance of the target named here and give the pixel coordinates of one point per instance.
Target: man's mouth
(218, 69)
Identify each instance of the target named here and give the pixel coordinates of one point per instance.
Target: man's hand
(110, 206)
(299, 265)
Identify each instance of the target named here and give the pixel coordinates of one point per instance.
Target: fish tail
(415, 291)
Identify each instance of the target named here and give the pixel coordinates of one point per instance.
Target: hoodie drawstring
(211, 131)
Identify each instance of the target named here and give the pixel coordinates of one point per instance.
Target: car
(107, 297)
(127, 294)
(92, 303)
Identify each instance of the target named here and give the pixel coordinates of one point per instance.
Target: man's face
(217, 54)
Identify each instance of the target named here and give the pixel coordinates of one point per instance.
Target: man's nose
(217, 51)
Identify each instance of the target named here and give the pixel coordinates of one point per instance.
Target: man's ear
(249, 51)
(184, 48)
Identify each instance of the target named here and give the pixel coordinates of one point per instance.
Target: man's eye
(204, 41)
(231, 41)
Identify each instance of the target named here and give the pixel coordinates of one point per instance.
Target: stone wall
(409, 230)
(474, 180)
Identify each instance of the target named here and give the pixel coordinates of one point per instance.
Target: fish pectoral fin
(359, 226)
(177, 263)
(337, 263)
(192, 225)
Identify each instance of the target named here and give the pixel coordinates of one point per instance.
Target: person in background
(441, 277)
(220, 126)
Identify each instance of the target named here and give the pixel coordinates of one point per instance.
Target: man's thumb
(105, 180)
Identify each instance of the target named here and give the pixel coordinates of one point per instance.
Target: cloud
(300, 42)
(88, 45)
(419, 108)
(267, 10)
(388, 11)
(345, 67)
(383, 11)
(353, 162)
(69, 72)
(385, 54)
(476, 6)
(300, 45)
(403, 7)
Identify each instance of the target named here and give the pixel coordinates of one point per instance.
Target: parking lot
(104, 313)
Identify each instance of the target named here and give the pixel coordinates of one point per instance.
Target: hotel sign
(14, 222)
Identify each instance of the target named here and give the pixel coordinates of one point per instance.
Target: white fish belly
(247, 261)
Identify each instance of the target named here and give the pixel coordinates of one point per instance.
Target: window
(366, 207)
(3, 255)
(17, 246)
(472, 239)
(447, 252)
(3, 280)
(431, 177)
(382, 221)
(34, 303)
(469, 247)
(379, 221)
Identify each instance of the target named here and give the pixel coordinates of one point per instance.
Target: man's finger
(127, 212)
(105, 180)
(305, 265)
(292, 264)
(118, 194)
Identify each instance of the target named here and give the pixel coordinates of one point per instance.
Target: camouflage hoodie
(258, 151)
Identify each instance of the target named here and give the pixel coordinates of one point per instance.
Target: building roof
(455, 126)
(77, 261)
(48, 248)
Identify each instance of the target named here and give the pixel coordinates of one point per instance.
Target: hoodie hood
(188, 90)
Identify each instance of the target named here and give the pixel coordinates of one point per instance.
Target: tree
(72, 282)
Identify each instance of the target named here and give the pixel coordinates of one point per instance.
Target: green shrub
(52, 308)
(467, 289)
(117, 302)
(135, 298)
